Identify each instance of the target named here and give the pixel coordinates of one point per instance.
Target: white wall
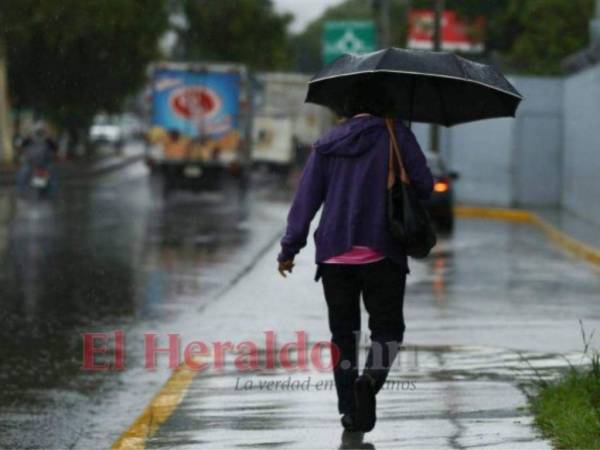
(481, 153)
(538, 142)
(581, 163)
(510, 161)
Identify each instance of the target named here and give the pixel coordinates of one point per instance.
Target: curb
(157, 411)
(587, 252)
(166, 400)
(172, 392)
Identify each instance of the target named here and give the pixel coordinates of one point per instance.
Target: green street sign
(348, 36)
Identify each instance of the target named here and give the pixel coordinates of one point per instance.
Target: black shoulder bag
(408, 219)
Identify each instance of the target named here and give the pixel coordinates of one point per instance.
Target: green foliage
(550, 31)
(528, 36)
(69, 59)
(532, 36)
(246, 31)
(568, 411)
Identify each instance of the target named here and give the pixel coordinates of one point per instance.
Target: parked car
(132, 127)
(106, 130)
(441, 204)
(116, 130)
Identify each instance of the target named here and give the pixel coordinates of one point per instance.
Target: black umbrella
(416, 85)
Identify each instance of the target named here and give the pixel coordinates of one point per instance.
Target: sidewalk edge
(157, 411)
(166, 400)
(574, 246)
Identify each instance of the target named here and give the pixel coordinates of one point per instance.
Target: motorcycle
(40, 181)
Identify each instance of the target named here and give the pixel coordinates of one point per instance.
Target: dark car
(441, 204)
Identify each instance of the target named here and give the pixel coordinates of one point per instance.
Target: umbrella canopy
(415, 85)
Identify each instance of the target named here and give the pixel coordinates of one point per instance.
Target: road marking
(157, 412)
(512, 215)
(587, 252)
(170, 395)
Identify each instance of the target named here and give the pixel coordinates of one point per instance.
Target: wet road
(109, 254)
(496, 307)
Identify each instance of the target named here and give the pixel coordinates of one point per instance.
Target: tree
(550, 30)
(526, 36)
(246, 31)
(70, 59)
(531, 36)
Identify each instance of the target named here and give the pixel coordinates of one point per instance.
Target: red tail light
(441, 185)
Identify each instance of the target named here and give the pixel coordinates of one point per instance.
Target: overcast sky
(304, 10)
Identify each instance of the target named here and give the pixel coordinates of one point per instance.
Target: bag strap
(394, 154)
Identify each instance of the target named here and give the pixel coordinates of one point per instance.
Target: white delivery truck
(284, 126)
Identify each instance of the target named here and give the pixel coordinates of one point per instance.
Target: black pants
(382, 287)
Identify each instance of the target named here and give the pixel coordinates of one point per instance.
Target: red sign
(191, 102)
(457, 35)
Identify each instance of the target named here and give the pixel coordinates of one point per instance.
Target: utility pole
(381, 10)
(385, 24)
(595, 25)
(434, 130)
(6, 150)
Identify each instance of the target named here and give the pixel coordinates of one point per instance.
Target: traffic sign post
(348, 36)
(6, 150)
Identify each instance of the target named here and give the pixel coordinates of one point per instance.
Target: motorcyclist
(38, 151)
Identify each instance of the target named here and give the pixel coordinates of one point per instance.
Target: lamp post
(434, 130)
(595, 25)
(381, 9)
(6, 150)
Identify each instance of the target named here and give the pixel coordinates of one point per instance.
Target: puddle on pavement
(435, 397)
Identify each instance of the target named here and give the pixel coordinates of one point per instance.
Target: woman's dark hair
(365, 98)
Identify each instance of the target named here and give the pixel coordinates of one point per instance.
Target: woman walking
(347, 173)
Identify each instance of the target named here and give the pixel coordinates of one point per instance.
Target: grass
(567, 411)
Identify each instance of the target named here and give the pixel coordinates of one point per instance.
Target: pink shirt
(358, 255)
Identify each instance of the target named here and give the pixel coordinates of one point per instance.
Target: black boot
(348, 422)
(364, 395)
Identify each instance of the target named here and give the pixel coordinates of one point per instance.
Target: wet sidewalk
(486, 315)
(435, 401)
(576, 227)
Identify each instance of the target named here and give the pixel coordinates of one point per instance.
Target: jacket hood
(352, 138)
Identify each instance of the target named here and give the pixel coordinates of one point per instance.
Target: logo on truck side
(194, 102)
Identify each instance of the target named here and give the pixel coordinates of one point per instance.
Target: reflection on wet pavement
(107, 254)
(495, 301)
(435, 397)
(496, 307)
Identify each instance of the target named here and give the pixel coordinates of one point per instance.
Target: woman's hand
(285, 266)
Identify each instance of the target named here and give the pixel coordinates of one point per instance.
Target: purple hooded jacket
(347, 173)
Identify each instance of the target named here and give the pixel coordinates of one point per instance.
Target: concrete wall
(481, 153)
(510, 162)
(538, 143)
(581, 163)
(548, 156)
